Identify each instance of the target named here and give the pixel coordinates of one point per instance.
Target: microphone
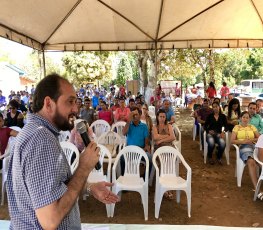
(82, 130)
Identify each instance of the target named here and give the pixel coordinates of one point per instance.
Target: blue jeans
(211, 141)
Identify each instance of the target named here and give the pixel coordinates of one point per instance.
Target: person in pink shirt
(122, 91)
(224, 92)
(122, 113)
(105, 114)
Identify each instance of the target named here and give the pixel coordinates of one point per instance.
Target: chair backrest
(169, 158)
(12, 140)
(178, 136)
(132, 156)
(64, 136)
(151, 110)
(104, 152)
(72, 154)
(118, 127)
(99, 127)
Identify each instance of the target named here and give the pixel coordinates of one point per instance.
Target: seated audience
(233, 113)
(168, 111)
(14, 117)
(146, 119)
(105, 114)
(214, 132)
(163, 134)
(246, 135)
(5, 133)
(122, 113)
(255, 119)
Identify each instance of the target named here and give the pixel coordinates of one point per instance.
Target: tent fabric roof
(72, 25)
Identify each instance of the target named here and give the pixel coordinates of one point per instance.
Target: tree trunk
(211, 65)
(142, 63)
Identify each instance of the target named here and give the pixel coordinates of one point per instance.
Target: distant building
(13, 78)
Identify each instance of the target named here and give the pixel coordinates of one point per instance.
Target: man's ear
(48, 104)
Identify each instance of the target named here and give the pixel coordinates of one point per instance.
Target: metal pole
(44, 62)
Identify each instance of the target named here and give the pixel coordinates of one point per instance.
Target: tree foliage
(83, 67)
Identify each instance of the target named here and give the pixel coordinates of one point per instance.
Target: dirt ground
(216, 199)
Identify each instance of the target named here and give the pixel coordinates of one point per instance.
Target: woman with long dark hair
(211, 91)
(163, 133)
(233, 113)
(213, 127)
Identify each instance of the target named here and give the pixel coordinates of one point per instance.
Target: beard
(62, 123)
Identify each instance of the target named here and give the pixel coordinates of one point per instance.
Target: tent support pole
(44, 62)
(155, 57)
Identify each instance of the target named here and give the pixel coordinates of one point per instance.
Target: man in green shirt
(255, 119)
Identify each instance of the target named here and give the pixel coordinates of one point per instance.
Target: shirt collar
(36, 118)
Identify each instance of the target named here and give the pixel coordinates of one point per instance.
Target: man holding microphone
(42, 192)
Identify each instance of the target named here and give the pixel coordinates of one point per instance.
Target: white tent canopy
(71, 25)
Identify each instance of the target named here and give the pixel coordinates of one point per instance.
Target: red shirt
(224, 91)
(105, 115)
(4, 137)
(122, 91)
(211, 92)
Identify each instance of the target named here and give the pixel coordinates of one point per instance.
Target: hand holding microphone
(82, 129)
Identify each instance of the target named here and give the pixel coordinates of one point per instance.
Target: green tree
(124, 71)
(82, 67)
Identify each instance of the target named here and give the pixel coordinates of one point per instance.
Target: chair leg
(3, 193)
(178, 196)
(152, 173)
(257, 190)
(108, 210)
(188, 197)
(144, 197)
(158, 201)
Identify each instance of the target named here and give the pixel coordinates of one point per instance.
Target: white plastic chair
(113, 140)
(226, 148)
(131, 179)
(178, 135)
(194, 129)
(261, 175)
(70, 150)
(240, 165)
(200, 136)
(98, 175)
(167, 177)
(118, 127)
(6, 158)
(99, 127)
(151, 109)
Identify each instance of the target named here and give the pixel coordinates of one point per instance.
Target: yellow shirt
(245, 132)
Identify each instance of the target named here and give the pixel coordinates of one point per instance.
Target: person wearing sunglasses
(14, 117)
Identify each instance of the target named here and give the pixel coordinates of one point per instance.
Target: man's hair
(14, 103)
(131, 100)
(48, 86)
(86, 99)
(224, 83)
(136, 108)
(260, 100)
(252, 103)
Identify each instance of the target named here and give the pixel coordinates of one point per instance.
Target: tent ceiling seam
(255, 8)
(62, 21)
(190, 19)
(19, 33)
(159, 21)
(126, 19)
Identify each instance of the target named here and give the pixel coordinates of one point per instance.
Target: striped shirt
(38, 175)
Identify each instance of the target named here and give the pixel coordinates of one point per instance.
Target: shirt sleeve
(46, 172)
(259, 143)
(235, 129)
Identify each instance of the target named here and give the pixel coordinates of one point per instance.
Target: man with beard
(42, 192)
(255, 119)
